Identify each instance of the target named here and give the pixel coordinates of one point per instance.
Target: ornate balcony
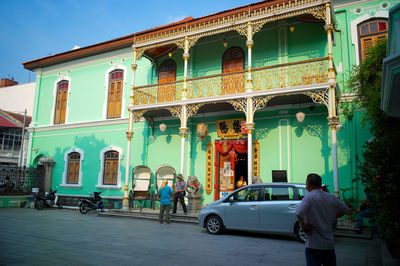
(284, 76)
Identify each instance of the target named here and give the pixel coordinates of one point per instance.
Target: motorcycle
(48, 200)
(94, 203)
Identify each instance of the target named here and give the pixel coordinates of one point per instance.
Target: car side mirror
(231, 198)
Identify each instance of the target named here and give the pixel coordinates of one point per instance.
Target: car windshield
(247, 194)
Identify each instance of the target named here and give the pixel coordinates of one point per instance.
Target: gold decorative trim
(257, 102)
(137, 115)
(139, 52)
(191, 109)
(230, 22)
(209, 168)
(321, 96)
(256, 158)
(333, 122)
(129, 135)
(319, 14)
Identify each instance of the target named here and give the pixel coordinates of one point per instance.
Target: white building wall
(17, 98)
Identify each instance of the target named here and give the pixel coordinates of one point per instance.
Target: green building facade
(100, 110)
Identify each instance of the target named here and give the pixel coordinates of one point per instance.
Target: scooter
(48, 200)
(94, 203)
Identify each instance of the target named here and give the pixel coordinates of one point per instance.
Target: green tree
(380, 169)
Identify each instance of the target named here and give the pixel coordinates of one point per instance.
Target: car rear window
(278, 193)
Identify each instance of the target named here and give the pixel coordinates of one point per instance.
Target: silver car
(268, 207)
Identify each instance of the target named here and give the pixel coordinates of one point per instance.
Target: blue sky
(32, 29)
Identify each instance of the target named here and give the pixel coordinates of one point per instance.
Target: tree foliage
(380, 169)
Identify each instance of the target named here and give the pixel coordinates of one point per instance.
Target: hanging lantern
(300, 116)
(163, 127)
(202, 130)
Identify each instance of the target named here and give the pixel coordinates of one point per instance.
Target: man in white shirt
(316, 215)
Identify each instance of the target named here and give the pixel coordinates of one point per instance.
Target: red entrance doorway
(230, 165)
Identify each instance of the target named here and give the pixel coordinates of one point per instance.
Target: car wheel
(301, 236)
(214, 225)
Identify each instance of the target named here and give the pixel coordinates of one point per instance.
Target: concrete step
(150, 215)
(347, 230)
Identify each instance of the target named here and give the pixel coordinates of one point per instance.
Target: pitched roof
(128, 40)
(11, 119)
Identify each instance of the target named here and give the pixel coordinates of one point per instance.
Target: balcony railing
(308, 72)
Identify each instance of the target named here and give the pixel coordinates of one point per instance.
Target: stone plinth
(194, 204)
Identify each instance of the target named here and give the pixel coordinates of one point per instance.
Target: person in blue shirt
(165, 194)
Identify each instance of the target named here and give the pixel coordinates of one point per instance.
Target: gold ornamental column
(333, 118)
(129, 135)
(250, 112)
(185, 59)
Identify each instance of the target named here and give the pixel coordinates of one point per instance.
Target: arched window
(61, 102)
(369, 32)
(74, 160)
(110, 176)
(233, 61)
(115, 87)
(166, 74)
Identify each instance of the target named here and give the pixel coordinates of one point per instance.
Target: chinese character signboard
(209, 168)
(256, 158)
(230, 128)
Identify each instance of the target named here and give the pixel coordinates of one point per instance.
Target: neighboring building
(17, 98)
(278, 66)
(12, 152)
(7, 82)
(390, 101)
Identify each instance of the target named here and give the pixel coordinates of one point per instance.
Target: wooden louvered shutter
(111, 168)
(370, 32)
(58, 107)
(115, 94)
(61, 102)
(73, 168)
(366, 44)
(167, 73)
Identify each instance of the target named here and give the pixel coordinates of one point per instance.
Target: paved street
(66, 237)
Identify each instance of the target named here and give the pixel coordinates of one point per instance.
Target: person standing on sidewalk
(180, 191)
(316, 214)
(165, 194)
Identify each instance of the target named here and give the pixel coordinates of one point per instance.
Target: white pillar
(333, 118)
(334, 161)
(183, 132)
(249, 128)
(249, 44)
(129, 135)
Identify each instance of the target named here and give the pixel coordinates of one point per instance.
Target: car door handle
(292, 206)
(253, 207)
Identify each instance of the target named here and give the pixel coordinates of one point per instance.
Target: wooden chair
(141, 185)
(165, 172)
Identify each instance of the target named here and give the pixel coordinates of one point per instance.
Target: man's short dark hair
(314, 180)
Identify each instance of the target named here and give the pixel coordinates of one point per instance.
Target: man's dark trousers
(179, 196)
